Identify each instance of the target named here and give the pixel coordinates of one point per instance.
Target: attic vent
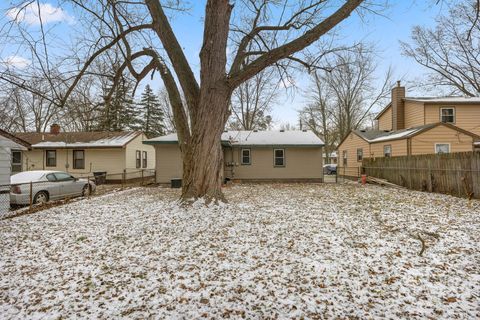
(282, 130)
(386, 130)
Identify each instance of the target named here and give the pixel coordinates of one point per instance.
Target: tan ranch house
(252, 156)
(413, 126)
(83, 153)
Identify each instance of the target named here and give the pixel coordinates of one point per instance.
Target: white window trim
(249, 156)
(274, 158)
(387, 145)
(144, 159)
(447, 143)
(454, 114)
(359, 149)
(138, 159)
(21, 157)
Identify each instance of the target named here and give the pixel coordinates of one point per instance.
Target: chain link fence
(32, 195)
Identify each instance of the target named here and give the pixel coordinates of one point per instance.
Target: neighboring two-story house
(413, 126)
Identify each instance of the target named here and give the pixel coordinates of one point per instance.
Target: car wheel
(40, 198)
(86, 191)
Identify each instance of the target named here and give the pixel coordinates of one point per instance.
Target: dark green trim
(160, 142)
(279, 146)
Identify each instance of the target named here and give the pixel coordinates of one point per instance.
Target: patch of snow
(262, 138)
(396, 135)
(28, 176)
(116, 141)
(316, 251)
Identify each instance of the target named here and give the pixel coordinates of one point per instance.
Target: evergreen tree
(152, 116)
(119, 112)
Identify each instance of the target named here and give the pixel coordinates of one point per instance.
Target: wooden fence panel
(453, 173)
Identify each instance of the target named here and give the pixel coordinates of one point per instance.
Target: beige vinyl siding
(351, 144)
(385, 120)
(5, 165)
(414, 114)
(300, 163)
(467, 117)
(399, 148)
(111, 160)
(168, 163)
(424, 143)
(33, 160)
(132, 147)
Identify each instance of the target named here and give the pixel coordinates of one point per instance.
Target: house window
(51, 158)
(447, 115)
(359, 155)
(144, 159)
(138, 158)
(78, 159)
(279, 157)
(442, 148)
(344, 158)
(16, 161)
(245, 156)
(387, 151)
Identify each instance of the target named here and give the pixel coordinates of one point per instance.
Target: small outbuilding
(252, 156)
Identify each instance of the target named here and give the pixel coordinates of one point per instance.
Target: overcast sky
(385, 31)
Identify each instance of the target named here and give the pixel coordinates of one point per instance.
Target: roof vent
(255, 130)
(282, 130)
(363, 130)
(304, 130)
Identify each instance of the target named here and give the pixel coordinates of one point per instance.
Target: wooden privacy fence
(452, 173)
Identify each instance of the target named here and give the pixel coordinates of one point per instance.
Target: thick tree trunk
(203, 155)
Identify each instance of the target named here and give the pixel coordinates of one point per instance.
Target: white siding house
(6, 146)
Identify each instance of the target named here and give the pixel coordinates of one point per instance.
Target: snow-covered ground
(275, 251)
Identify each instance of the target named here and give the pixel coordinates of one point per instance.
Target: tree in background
(341, 98)
(117, 112)
(252, 101)
(451, 50)
(151, 117)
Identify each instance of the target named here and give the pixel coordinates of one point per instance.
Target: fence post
(31, 195)
(142, 177)
(89, 187)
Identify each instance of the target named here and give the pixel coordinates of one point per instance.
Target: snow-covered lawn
(275, 251)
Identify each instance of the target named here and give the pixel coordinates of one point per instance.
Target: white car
(46, 186)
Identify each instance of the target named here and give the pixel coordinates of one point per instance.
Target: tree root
(424, 246)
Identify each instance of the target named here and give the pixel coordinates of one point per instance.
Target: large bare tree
(451, 50)
(277, 32)
(342, 96)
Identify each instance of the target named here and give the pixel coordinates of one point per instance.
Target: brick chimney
(54, 129)
(398, 107)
